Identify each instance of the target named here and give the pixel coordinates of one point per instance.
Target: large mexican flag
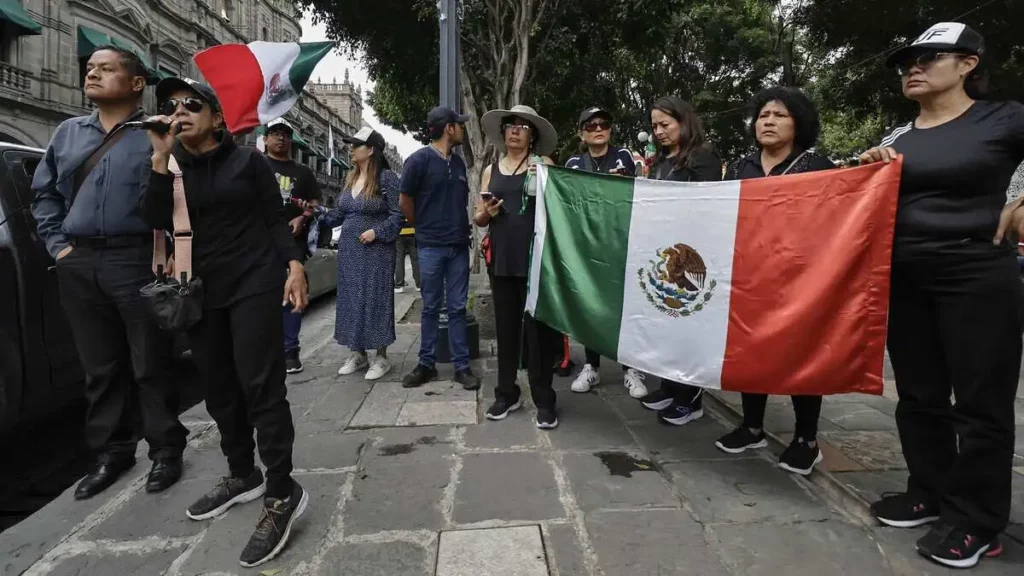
(260, 81)
(776, 285)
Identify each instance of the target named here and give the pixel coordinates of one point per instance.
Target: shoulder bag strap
(793, 163)
(90, 163)
(182, 232)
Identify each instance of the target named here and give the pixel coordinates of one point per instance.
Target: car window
(27, 167)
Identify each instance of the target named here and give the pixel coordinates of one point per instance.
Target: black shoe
(740, 440)
(468, 380)
(292, 364)
(105, 473)
(929, 543)
(657, 400)
(800, 457)
(680, 414)
(227, 493)
(901, 510)
(547, 418)
(273, 527)
(164, 473)
(502, 408)
(962, 550)
(419, 376)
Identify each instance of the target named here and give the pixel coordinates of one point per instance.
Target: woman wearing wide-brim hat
(508, 207)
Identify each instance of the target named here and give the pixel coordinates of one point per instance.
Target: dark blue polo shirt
(440, 191)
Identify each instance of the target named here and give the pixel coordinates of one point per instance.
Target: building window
(8, 43)
(263, 34)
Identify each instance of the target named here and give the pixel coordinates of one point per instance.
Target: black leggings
(807, 409)
(517, 332)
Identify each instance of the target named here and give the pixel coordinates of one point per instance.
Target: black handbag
(175, 301)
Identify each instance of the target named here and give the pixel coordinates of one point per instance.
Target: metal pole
(448, 20)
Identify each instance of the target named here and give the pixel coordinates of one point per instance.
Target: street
(416, 482)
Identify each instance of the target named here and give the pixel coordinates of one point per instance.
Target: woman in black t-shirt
(684, 156)
(955, 318)
(523, 137)
(785, 125)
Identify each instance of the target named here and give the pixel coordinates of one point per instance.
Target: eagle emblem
(278, 90)
(677, 284)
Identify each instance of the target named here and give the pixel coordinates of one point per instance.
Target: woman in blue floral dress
(368, 214)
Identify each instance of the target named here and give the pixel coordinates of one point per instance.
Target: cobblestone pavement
(418, 483)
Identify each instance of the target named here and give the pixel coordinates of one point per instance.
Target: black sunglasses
(193, 105)
(596, 125)
(924, 60)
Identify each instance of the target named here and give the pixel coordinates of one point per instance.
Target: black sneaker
(502, 408)
(468, 380)
(657, 400)
(800, 457)
(227, 493)
(962, 550)
(273, 527)
(292, 364)
(929, 543)
(901, 510)
(547, 418)
(419, 376)
(740, 440)
(680, 414)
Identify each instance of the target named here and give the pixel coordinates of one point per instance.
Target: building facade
(44, 45)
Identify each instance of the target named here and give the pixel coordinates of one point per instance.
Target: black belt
(110, 241)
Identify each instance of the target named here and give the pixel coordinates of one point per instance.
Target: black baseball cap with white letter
(948, 36)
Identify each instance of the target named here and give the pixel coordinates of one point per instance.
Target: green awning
(89, 40)
(163, 75)
(301, 142)
(342, 163)
(13, 12)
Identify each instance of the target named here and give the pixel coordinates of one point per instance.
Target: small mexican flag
(776, 285)
(260, 81)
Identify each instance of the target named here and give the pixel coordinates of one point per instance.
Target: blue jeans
(292, 325)
(441, 268)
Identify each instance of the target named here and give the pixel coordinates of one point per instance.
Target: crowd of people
(955, 325)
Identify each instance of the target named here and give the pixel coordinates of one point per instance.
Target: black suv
(40, 375)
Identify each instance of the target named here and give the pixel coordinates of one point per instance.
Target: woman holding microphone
(246, 257)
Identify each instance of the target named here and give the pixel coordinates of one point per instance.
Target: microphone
(152, 126)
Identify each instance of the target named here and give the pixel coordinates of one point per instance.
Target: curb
(847, 498)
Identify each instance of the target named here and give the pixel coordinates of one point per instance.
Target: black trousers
(406, 245)
(516, 330)
(955, 326)
(125, 356)
(692, 396)
(240, 353)
(594, 359)
(807, 409)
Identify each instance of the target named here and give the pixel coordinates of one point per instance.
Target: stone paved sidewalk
(610, 492)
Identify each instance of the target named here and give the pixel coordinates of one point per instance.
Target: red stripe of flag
(810, 293)
(235, 75)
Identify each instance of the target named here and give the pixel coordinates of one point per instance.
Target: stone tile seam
(336, 531)
(456, 436)
(571, 508)
(76, 547)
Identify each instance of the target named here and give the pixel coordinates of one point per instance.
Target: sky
(333, 66)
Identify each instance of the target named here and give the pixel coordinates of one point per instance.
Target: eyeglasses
(923, 61)
(279, 134)
(170, 106)
(511, 126)
(597, 125)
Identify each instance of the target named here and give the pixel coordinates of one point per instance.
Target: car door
(52, 369)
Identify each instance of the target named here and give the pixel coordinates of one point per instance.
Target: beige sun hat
(547, 138)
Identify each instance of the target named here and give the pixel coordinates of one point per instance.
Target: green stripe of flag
(310, 54)
(584, 256)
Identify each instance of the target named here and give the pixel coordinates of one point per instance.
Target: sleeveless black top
(511, 232)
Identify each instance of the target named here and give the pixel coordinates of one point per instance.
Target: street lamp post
(449, 16)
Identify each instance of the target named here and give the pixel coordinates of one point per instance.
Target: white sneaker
(586, 379)
(634, 382)
(354, 364)
(378, 368)
(399, 289)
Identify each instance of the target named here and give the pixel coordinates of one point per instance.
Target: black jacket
(704, 165)
(750, 166)
(241, 242)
